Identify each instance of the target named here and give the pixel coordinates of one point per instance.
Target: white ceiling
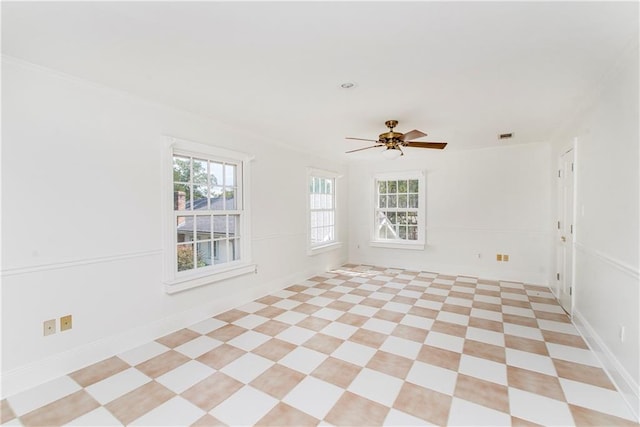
(461, 71)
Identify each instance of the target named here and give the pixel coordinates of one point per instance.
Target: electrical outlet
(49, 327)
(498, 257)
(66, 323)
(505, 257)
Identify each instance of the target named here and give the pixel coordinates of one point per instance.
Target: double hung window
(322, 210)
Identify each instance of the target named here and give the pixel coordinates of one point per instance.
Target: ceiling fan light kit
(394, 141)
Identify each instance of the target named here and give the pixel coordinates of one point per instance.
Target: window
(399, 210)
(208, 222)
(322, 211)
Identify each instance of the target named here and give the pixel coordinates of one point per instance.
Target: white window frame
(175, 281)
(418, 244)
(314, 249)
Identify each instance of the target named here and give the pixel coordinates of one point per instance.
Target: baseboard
(40, 372)
(623, 381)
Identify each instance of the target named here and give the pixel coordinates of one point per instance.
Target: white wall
(483, 202)
(607, 284)
(82, 218)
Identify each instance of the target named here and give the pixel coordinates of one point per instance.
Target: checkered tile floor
(357, 346)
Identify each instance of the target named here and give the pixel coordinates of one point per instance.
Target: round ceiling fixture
(348, 85)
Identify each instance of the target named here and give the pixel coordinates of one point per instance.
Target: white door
(566, 230)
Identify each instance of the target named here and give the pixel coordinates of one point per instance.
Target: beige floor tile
(277, 381)
(323, 343)
(208, 420)
(61, 411)
(285, 415)
(526, 344)
(269, 300)
(162, 363)
(487, 306)
(336, 371)
(352, 319)
(587, 417)
(484, 350)
(410, 333)
(404, 300)
(390, 364)
(558, 317)
(519, 422)
(341, 305)
(227, 332)
(213, 390)
(274, 349)
(178, 338)
(453, 308)
(138, 402)
(354, 410)
(564, 339)
(331, 295)
(368, 338)
(423, 312)
(270, 312)
(463, 295)
(485, 393)
(313, 323)
(420, 402)
(439, 357)
(449, 328)
(373, 302)
(220, 356)
(489, 325)
(391, 316)
(515, 303)
(583, 373)
(520, 320)
(271, 327)
(301, 297)
(535, 382)
(305, 308)
(99, 371)
(231, 315)
(6, 413)
(296, 288)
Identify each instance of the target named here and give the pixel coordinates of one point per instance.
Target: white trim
(324, 248)
(620, 377)
(397, 245)
(173, 281)
(630, 271)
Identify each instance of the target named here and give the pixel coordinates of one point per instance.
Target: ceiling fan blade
(362, 139)
(365, 148)
(413, 134)
(436, 145)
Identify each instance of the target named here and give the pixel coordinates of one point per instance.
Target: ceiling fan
(394, 141)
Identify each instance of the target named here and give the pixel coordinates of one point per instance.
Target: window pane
(402, 232)
(402, 201)
(185, 257)
(235, 249)
(402, 217)
(200, 184)
(230, 199)
(184, 229)
(382, 203)
(216, 200)
(402, 186)
(392, 217)
(181, 194)
(219, 226)
(412, 218)
(413, 232)
(413, 186)
(204, 255)
(413, 201)
(229, 175)
(234, 225)
(329, 186)
(222, 252)
(392, 187)
(382, 187)
(216, 171)
(203, 227)
(392, 202)
(181, 169)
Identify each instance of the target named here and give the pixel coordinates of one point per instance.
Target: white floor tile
(517, 297)
(550, 308)
(98, 417)
(207, 326)
(117, 385)
(185, 376)
(523, 331)
(342, 289)
(518, 311)
(320, 301)
(295, 335)
(363, 310)
(354, 353)
(433, 377)
(252, 307)
(286, 304)
(251, 321)
(486, 314)
(247, 367)
(353, 299)
(465, 413)
(484, 369)
(244, 408)
(314, 291)
(328, 313)
(369, 287)
(417, 321)
(376, 386)
(175, 412)
(339, 330)
(462, 302)
(564, 328)
(596, 398)
(436, 291)
(401, 347)
(572, 354)
(143, 353)
(409, 294)
(198, 346)
(303, 360)
(313, 396)
(379, 325)
(458, 319)
(384, 296)
(539, 409)
(283, 293)
(485, 336)
(397, 307)
(485, 287)
(290, 317)
(448, 342)
(42, 395)
(249, 340)
(397, 418)
(487, 298)
(427, 303)
(530, 361)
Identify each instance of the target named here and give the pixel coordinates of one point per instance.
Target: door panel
(566, 230)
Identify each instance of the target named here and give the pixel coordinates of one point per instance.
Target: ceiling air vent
(505, 136)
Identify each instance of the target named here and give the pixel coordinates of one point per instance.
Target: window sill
(416, 246)
(185, 283)
(324, 248)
